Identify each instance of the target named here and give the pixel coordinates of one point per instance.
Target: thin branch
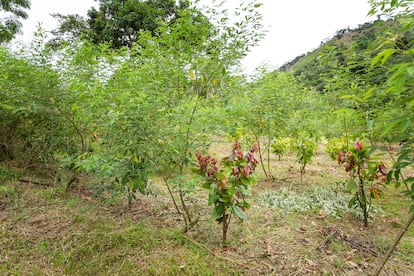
(172, 195)
(394, 245)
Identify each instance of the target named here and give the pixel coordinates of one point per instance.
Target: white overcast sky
(294, 26)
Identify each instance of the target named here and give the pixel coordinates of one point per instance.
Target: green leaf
(410, 71)
(224, 199)
(197, 171)
(351, 185)
(389, 176)
(353, 202)
(212, 194)
(220, 176)
(383, 56)
(246, 181)
(217, 212)
(238, 212)
(206, 185)
(397, 174)
(368, 94)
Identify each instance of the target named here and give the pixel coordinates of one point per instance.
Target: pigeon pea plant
(336, 145)
(305, 151)
(281, 146)
(229, 183)
(367, 175)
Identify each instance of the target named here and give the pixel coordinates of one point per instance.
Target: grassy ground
(45, 230)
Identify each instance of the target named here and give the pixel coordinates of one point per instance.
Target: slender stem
(268, 147)
(260, 156)
(226, 223)
(187, 216)
(187, 135)
(362, 195)
(172, 196)
(346, 133)
(394, 245)
(302, 172)
(224, 228)
(76, 128)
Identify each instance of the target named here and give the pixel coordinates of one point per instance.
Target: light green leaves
(383, 57)
(238, 212)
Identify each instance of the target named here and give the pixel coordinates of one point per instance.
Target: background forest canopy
(132, 98)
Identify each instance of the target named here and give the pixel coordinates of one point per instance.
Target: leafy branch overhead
(11, 12)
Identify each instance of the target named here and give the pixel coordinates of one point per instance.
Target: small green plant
(281, 146)
(305, 150)
(336, 145)
(229, 184)
(366, 176)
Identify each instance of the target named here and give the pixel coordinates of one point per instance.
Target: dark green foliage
(348, 52)
(12, 10)
(118, 22)
(70, 27)
(30, 106)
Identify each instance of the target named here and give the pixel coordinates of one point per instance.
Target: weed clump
(330, 200)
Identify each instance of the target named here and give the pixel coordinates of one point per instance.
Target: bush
(335, 146)
(281, 145)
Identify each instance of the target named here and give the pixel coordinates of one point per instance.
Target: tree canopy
(118, 22)
(12, 11)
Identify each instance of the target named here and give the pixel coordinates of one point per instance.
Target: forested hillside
(352, 50)
(131, 143)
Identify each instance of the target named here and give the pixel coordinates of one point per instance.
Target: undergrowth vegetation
(333, 201)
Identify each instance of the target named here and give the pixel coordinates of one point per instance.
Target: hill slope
(348, 47)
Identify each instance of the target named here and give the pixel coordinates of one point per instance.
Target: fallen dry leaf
(305, 240)
(352, 264)
(268, 248)
(310, 262)
(322, 214)
(396, 222)
(350, 255)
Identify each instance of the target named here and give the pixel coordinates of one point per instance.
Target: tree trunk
(363, 197)
(261, 157)
(226, 223)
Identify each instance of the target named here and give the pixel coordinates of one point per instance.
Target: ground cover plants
(115, 160)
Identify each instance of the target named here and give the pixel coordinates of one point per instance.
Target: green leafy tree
(272, 101)
(12, 11)
(118, 22)
(162, 109)
(70, 28)
(336, 145)
(399, 86)
(281, 145)
(305, 148)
